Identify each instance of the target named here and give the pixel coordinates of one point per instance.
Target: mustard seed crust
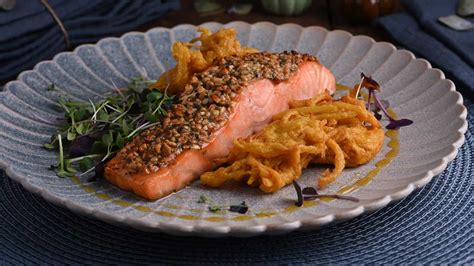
(204, 107)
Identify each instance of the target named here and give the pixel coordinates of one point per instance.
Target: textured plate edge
(247, 231)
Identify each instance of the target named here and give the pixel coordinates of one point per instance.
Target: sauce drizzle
(393, 144)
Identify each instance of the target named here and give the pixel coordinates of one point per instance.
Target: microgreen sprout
(51, 87)
(95, 130)
(394, 123)
(373, 87)
(203, 199)
(310, 193)
(64, 166)
(241, 208)
(299, 194)
(214, 208)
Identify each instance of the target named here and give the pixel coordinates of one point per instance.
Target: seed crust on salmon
(234, 98)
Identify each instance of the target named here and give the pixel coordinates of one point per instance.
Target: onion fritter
(319, 130)
(191, 58)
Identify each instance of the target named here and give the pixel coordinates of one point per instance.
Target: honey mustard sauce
(393, 144)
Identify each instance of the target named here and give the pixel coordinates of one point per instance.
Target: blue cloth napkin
(427, 13)
(28, 33)
(419, 31)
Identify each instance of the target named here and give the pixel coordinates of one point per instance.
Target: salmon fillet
(232, 99)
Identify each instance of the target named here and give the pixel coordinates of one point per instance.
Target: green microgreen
(203, 199)
(214, 208)
(51, 87)
(64, 168)
(95, 130)
(241, 208)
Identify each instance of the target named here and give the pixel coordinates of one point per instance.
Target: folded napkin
(427, 13)
(419, 31)
(29, 34)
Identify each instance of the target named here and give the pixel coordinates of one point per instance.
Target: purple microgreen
(380, 105)
(371, 107)
(342, 197)
(369, 101)
(309, 191)
(394, 123)
(80, 146)
(369, 83)
(366, 82)
(377, 115)
(93, 178)
(299, 193)
(336, 196)
(375, 108)
(242, 208)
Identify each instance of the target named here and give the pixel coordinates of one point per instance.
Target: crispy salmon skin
(232, 99)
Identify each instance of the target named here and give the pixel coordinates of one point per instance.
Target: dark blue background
(419, 31)
(28, 33)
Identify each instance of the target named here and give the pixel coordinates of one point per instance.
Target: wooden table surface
(317, 15)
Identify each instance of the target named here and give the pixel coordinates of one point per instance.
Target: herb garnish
(380, 105)
(299, 194)
(95, 131)
(203, 199)
(375, 109)
(241, 208)
(310, 193)
(214, 208)
(51, 87)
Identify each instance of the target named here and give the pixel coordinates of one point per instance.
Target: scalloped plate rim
(244, 231)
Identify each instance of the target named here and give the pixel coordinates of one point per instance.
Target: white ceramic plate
(414, 89)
